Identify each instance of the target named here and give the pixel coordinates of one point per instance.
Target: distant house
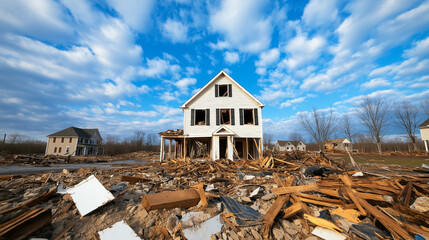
(424, 132)
(74, 141)
(288, 146)
(339, 144)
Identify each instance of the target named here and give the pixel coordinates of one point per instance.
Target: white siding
(207, 100)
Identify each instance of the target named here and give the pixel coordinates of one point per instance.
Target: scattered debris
(184, 198)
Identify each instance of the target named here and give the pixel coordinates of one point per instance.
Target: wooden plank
(164, 200)
(295, 189)
(389, 223)
(346, 180)
(321, 203)
(200, 190)
(327, 200)
(64, 232)
(370, 196)
(292, 210)
(354, 199)
(25, 224)
(375, 186)
(322, 222)
(133, 179)
(329, 192)
(32, 202)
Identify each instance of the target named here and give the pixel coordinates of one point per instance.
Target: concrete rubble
(270, 198)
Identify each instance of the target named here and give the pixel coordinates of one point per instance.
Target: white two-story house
(222, 120)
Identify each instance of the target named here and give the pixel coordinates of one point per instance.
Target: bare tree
(319, 124)
(406, 117)
(16, 138)
(138, 139)
(268, 138)
(295, 136)
(425, 105)
(374, 114)
(347, 128)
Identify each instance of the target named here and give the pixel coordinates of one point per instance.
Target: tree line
(375, 115)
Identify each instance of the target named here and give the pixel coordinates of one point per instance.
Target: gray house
(289, 146)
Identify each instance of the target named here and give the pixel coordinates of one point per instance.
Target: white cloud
(231, 57)
(183, 84)
(303, 50)
(421, 49)
(167, 111)
(233, 18)
(319, 13)
(376, 82)
(157, 67)
(135, 13)
(291, 102)
(267, 58)
(175, 31)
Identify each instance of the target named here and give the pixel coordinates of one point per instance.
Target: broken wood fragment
(164, 200)
(354, 199)
(132, 179)
(322, 222)
(292, 210)
(295, 189)
(200, 190)
(25, 224)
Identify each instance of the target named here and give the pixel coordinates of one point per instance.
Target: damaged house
(222, 120)
(289, 146)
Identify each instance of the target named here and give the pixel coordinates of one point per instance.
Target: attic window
(225, 116)
(200, 117)
(223, 90)
(248, 116)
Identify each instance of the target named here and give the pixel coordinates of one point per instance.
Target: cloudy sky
(122, 66)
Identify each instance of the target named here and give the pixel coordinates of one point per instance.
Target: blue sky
(122, 66)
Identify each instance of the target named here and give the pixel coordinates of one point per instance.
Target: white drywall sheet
(89, 195)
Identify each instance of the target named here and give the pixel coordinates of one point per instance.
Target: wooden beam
(132, 179)
(292, 210)
(169, 149)
(165, 200)
(295, 189)
(354, 199)
(200, 190)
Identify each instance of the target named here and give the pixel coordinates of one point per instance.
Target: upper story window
(200, 117)
(223, 90)
(62, 140)
(70, 140)
(54, 139)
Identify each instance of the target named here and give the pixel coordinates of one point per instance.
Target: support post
(426, 145)
(247, 150)
(184, 148)
(169, 149)
(161, 152)
(230, 148)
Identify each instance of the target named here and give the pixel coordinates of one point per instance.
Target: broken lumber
(200, 190)
(31, 202)
(295, 189)
(164, 200)
(132, 179)
(25, 224)
(292, 210)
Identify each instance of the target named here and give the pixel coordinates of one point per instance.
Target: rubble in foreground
(292, 197)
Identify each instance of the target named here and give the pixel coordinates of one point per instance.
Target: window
(70, 140)
(225, 117)
(67, 149)
(59, 150)
(54, 140)
(55, 149)
(223, 90)
(86, 140)
(248, 116)
(62, 140)
(200, 117)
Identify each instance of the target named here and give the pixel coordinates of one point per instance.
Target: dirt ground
(400, 159)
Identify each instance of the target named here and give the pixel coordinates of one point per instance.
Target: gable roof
(425, 124)
(213, 80)
(76, 132)
(338, 140)
(283, 143)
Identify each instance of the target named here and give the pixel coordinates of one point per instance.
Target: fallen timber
(292, 201)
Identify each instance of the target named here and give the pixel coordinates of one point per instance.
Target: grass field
(409, 161)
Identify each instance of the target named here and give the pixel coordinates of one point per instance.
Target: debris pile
(294, 197)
